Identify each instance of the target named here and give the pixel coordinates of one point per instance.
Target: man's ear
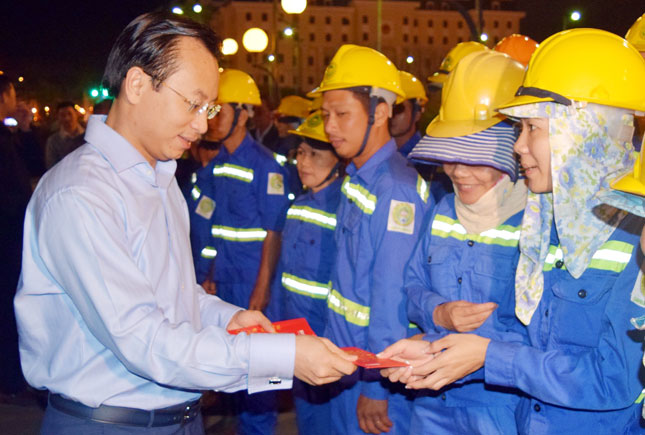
(381, 114)
(135, 84)
(243, 118)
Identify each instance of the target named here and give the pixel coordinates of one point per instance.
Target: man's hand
(259, 297)
(372, 415)
(457, 355)
(319, 361)
(210, 287)
(245, 318)
(415, 351)
(462, 316)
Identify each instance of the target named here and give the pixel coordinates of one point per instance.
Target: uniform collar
(122, 155)
(367, 172)
(407, 147)
(241, 149)
(324, 194)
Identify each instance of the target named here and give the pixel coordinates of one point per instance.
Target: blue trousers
(312, 408)
(59, 423)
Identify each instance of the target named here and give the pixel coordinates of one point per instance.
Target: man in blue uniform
(246, 209)
(382, 204)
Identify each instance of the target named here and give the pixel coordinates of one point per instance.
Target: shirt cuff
(498, 365)
(374, 390)
(271, 362)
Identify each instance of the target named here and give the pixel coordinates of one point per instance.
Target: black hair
(150, 42)
(64, 104)
(6, 83)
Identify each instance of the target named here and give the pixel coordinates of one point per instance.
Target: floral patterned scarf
(590, 146)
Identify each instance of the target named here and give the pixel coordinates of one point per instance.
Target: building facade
(420, 32)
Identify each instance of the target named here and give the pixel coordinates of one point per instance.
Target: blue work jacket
(407, 147)
(200, 209)
(249, 192)
(582, 366)
(301, 283)
(449, 264)
(379, 218)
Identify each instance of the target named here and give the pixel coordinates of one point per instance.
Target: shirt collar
(367, 172)
(407, 147)
(122, 155)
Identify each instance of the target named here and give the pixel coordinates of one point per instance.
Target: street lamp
(229, 47)
(177, 10)
(575, 16)
(255, 40)
(197, 8)
(293, 6)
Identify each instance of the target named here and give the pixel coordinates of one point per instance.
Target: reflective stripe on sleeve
(360, 195)
(238, 234)
(195, 192)
(353, 312)
(233, 171)
(209, 252)
(313, 216)
(305, 287)
(422, 188)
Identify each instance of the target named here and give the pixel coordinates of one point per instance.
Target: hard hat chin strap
(415, 109)
(370, 122)
(332, 173)
(236, 115)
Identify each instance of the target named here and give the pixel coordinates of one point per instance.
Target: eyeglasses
(197, 108)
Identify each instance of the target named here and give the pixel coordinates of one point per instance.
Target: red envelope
(298, 326)
(370, 361)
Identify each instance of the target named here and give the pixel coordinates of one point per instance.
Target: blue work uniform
(407, 147)
(302, 285)
(201, 206)
(250, 198)
(379, 218)
(582, 366)
(449, 264)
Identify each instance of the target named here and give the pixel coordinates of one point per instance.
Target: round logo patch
(314, 121)
(330, 71)
(276, 182)
(403, 214)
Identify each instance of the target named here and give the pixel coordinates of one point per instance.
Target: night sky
(62, 46)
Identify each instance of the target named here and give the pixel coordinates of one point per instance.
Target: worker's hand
(319, 361)
(259, 297)
(462, 316)
(414, 351)
(372, 415)
(456, 355)
(245, 318)
(210, 287)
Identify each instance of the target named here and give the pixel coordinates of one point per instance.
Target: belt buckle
(186, 417)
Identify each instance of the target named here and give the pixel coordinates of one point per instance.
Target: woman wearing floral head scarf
(579, 257)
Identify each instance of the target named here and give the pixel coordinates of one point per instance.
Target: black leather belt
(178, 414)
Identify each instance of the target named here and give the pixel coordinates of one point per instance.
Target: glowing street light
(288, 31)
(229, 47)
(484, 37)
(94, 93)
(197, 8)
(409, 59)
(255, 40)
(575, 16)
(21, 79)
(105, 93)
(34, 110)
(271, 58)
(177, 10)
(293, 6)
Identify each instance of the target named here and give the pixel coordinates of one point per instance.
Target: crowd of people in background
(496, 252)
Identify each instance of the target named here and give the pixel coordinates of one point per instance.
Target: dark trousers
(59, 423)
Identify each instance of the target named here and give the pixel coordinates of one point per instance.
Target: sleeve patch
(205, 207)
(275, 185)
(401, 217)
(638, 292)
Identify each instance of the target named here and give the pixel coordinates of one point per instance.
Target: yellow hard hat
(634, 182)
(294, 105)
(519, 47)
(481, 81)
(413, 88)
(313, 128)
(354, 66)
(236, 86)
(589, 65)
(636, 34)
(453, 57)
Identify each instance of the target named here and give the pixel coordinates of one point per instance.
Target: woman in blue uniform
(460, 277)
(301, 284)
(579, 260)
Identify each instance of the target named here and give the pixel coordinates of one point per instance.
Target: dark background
(60, 47)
